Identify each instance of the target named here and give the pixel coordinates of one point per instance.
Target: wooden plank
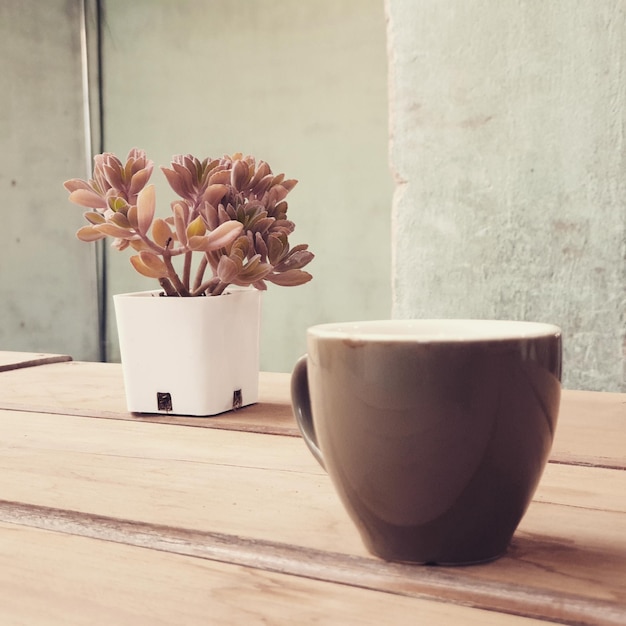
(104, 567)
(49, 578)
(571, 544)
(591, 428)
(17, 360)
(97, 390)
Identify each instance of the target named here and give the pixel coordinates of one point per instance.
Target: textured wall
(507, 124)
(302, 85)
(47, 277)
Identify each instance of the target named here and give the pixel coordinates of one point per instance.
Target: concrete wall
(508, 156)
(47, 277)
(302, 85)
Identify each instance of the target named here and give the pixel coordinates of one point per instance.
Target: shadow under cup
(435, 433)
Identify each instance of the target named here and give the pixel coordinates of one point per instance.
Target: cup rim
(433, 330)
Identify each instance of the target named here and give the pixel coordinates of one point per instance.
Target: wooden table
(110, 518)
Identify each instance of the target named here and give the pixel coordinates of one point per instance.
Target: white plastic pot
(189, 356)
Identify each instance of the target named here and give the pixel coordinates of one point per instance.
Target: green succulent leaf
(197, 228)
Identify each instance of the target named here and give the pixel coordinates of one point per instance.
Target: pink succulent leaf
(161, 233)
(138, 244)
(276, 194)
(214, 194)
(154, 263)
(180, 223)
(263, 185)
(131, 215)
(119, 219)
(227, 269)
(146, 203)
(223, 214)
(224, 235)
(120, 244)
(280, 210)
(140, 180)
(284, 227)
(143, 269)
(290, 278)
(209, 213)
(262, 170)
(75, 184)
(263, 225)
(239, 175)
(88, 198)
(175, 182)
(260, 246)
(221, 177)
(113, 176)
(197, 243)
(111, 230)
(89, 233)
(94, 218)
(253, 271)
(277, 247)
(186, 176)
(295, 260)
(289, 184)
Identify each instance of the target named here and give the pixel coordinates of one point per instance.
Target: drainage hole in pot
(237, 399)
(164, 401)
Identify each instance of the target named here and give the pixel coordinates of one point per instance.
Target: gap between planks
(174, 420)
(427, 582)
(32, 360)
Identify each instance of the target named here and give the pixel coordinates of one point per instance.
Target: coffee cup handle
(301, 404)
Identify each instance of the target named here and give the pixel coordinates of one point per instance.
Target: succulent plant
(229, 225)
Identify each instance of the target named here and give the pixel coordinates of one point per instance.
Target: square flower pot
(189, 356)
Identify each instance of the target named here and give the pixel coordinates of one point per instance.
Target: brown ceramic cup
(435, 433)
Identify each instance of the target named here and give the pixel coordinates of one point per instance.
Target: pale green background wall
(508, 149)
(300, 84)
(47, 278)
(507, 126)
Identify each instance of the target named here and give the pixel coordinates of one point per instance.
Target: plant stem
(210, 286)
(204, 261)
(167, 287)
(173, 276)
(187, 269)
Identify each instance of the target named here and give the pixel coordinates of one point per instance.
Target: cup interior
(433, 330)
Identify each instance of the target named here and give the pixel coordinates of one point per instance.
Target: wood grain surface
(263, 490)
(591, 429)
(229, 520)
